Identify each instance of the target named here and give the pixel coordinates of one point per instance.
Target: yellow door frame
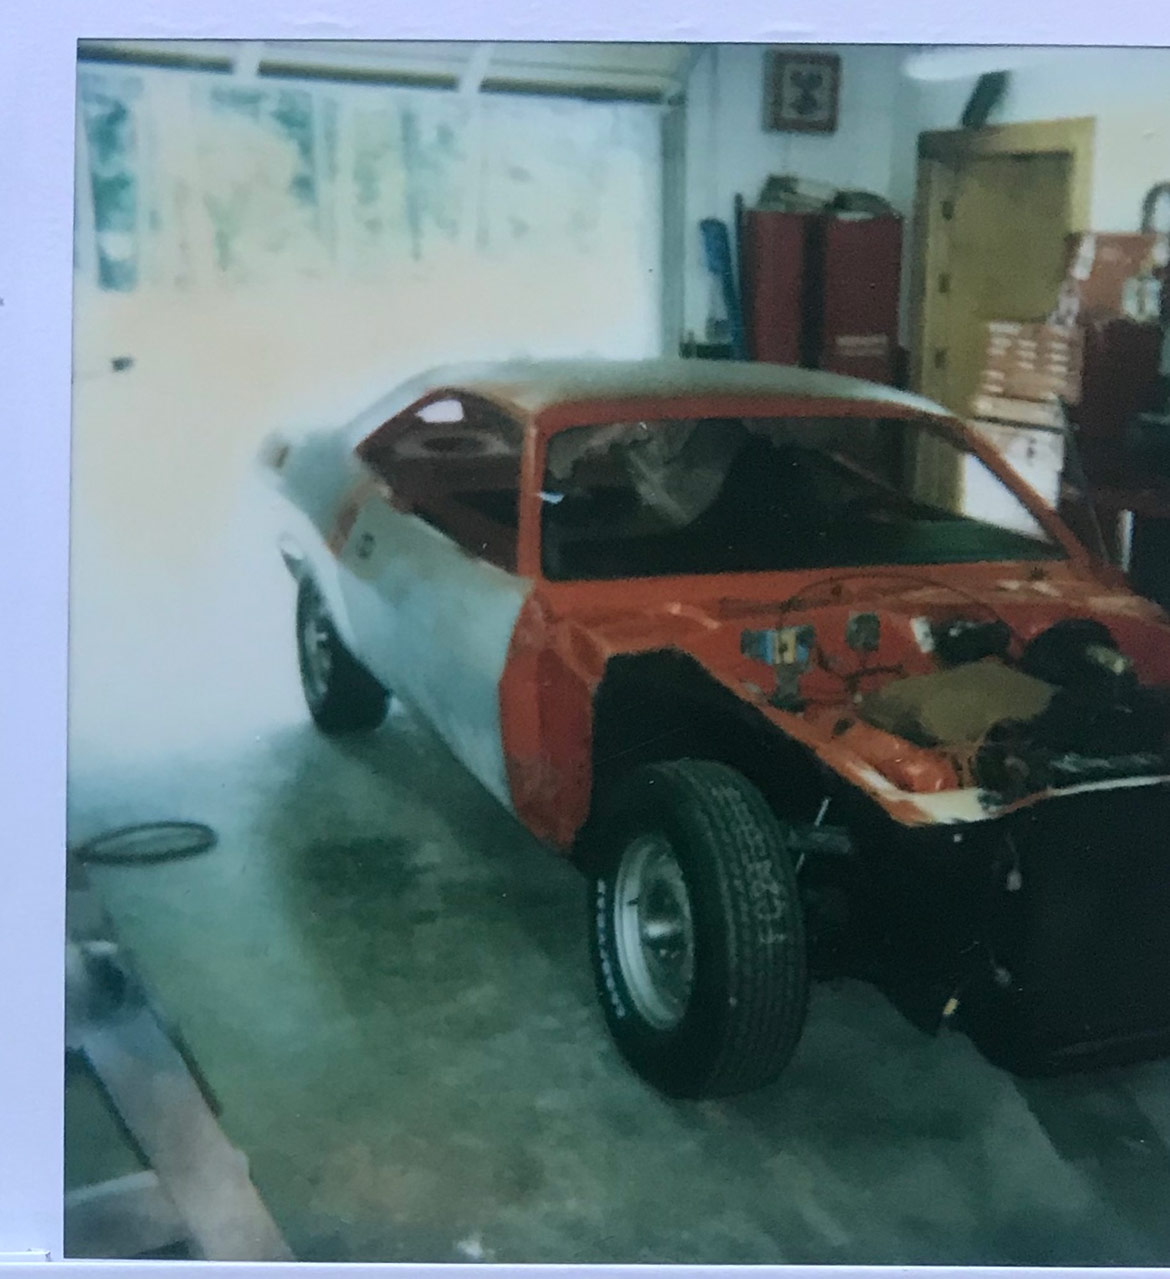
(940, 155)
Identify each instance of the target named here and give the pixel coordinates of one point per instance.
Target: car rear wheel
(698, 940)
(342, 696)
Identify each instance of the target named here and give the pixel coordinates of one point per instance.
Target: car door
(430, 585)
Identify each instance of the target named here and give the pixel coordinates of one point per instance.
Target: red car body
(918, 810)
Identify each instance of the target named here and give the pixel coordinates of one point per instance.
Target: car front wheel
(342, 696)
(698, 939)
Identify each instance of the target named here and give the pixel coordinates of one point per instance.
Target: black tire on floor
(735, 1023)
(342, 696)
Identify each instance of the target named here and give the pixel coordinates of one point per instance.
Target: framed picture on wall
(801, 91)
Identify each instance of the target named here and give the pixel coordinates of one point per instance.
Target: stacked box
(1030, 372)
(1114, 293)
(1098, 353)
(1027, 369)
(998, 408)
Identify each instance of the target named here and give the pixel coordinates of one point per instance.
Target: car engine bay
(1069, 711)
(1004, 711)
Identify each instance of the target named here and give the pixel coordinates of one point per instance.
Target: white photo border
(38, 62)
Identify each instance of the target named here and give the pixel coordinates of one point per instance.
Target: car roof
(530, 387)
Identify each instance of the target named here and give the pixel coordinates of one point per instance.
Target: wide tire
(697, 930)
(342, 696)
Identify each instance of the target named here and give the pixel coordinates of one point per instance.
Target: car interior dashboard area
(733, 497)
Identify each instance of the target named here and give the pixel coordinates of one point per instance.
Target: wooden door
(994, 209)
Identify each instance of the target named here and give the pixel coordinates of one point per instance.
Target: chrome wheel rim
(316, 647)
(654, 932)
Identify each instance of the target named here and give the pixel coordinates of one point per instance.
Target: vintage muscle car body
(831, 723)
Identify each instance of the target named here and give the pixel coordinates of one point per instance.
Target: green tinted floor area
(385, 982)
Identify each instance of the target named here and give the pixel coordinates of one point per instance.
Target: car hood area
(947, 694)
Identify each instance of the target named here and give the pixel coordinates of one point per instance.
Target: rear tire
(698, 939)
(342, 696)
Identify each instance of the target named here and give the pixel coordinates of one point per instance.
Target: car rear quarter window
(454, 462)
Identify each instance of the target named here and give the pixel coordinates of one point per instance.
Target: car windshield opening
(726, 495)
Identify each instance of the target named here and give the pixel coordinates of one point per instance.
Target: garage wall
(729, 152)
(882, 114)
(1127, 90)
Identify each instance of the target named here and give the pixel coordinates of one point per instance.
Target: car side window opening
(454, 462)
(645, 499)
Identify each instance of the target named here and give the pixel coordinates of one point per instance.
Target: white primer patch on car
(434, 624)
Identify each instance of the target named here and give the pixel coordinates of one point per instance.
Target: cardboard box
(1038, 331)
(1020, 383)
(1039, 337)
(999, 408)
(1032, 361)
(1113, 275)
(1021, 362)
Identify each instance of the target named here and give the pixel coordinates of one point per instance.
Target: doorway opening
(994, 209)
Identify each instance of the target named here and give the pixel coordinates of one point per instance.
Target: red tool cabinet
(822, 291)
(854, 294)
(774, 249)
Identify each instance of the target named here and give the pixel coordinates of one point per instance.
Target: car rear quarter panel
(318, 484)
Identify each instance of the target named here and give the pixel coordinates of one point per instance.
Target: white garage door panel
(501, 226)
(277, 254)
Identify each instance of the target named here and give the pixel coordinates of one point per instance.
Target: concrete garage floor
(385, 980)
